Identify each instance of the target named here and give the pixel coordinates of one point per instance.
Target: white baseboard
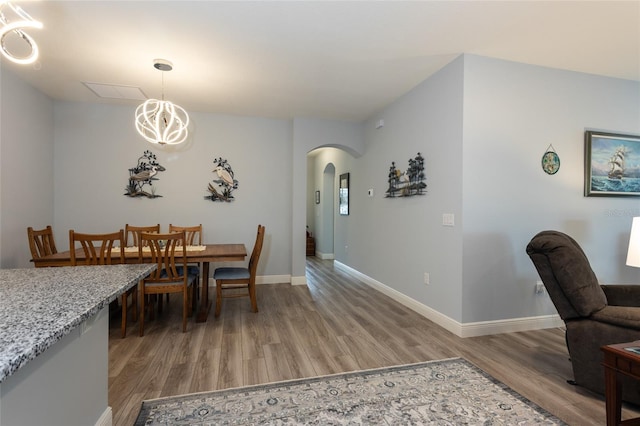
(106, 419)
(481, 328)
(511, 325)
(325, 256)
(299, 280)
(272, 279)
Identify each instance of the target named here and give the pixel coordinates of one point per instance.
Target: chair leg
(197, 290)
(218, 297)
(252, 296)
(123, 327)
(194, 297)
(134, 302)
(134, 307)
(143, 297)
(185, 306)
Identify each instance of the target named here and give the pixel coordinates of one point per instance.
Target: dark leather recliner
(595, 315)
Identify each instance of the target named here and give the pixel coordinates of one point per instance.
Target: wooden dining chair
(135, 231)
(193, 234)
(41, 242)
(97, 248)
(193, 237)
(168, 253)
(101, 249)
(230, 278)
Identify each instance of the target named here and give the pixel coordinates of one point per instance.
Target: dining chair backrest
(167, 250)
(41, 242)
(98, 249)
(255, 254)
(193, 234)
(135, 231)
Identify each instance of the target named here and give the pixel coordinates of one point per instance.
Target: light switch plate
(448, 219)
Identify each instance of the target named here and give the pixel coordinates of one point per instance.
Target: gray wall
(97, 144)
(513, 112)
(26, 167)
(395, 241)
(483, 125)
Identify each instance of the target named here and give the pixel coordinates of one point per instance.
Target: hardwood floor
(335, 324)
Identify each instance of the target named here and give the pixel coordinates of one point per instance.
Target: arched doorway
(323, 167)
(309, 134)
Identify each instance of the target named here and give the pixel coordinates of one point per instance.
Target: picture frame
(612, 164)
(317, 197)
(343, 195)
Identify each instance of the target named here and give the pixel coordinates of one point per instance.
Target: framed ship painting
(612, 164)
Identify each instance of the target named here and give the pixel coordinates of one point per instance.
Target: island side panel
(67, 385)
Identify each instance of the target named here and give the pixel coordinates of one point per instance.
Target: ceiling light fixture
(159, 121)
(23, 20)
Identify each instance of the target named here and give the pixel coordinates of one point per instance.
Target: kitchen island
(54, 331)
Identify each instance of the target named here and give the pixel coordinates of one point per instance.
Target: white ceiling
(324, 59)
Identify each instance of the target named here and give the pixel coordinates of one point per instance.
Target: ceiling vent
(114, 91)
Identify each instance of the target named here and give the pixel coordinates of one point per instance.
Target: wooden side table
(618, 360)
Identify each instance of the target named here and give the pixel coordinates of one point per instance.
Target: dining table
(204, 254)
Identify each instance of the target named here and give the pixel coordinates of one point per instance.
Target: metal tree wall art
(225, 184)
(409, 183)
(143, 174)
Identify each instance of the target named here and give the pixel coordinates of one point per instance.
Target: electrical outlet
(426, 278)
(539, 287)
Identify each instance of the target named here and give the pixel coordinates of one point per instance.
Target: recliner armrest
(622, 294)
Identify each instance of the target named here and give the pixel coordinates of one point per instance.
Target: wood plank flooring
(335, 324)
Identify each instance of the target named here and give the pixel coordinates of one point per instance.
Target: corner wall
(512, 113)
(482, 126)
(395, 241)
(26, 167)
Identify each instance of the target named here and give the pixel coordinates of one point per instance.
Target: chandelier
(159, 121)
(19, 19)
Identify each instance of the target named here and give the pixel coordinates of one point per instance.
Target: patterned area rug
(446, 392)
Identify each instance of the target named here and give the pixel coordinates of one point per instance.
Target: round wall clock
(550, 161)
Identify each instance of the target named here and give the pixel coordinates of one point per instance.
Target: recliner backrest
(567, 275)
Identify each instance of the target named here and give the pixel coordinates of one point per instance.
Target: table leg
(205, 303)
(613, 390)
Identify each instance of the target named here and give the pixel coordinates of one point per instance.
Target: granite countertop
(38, 306)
